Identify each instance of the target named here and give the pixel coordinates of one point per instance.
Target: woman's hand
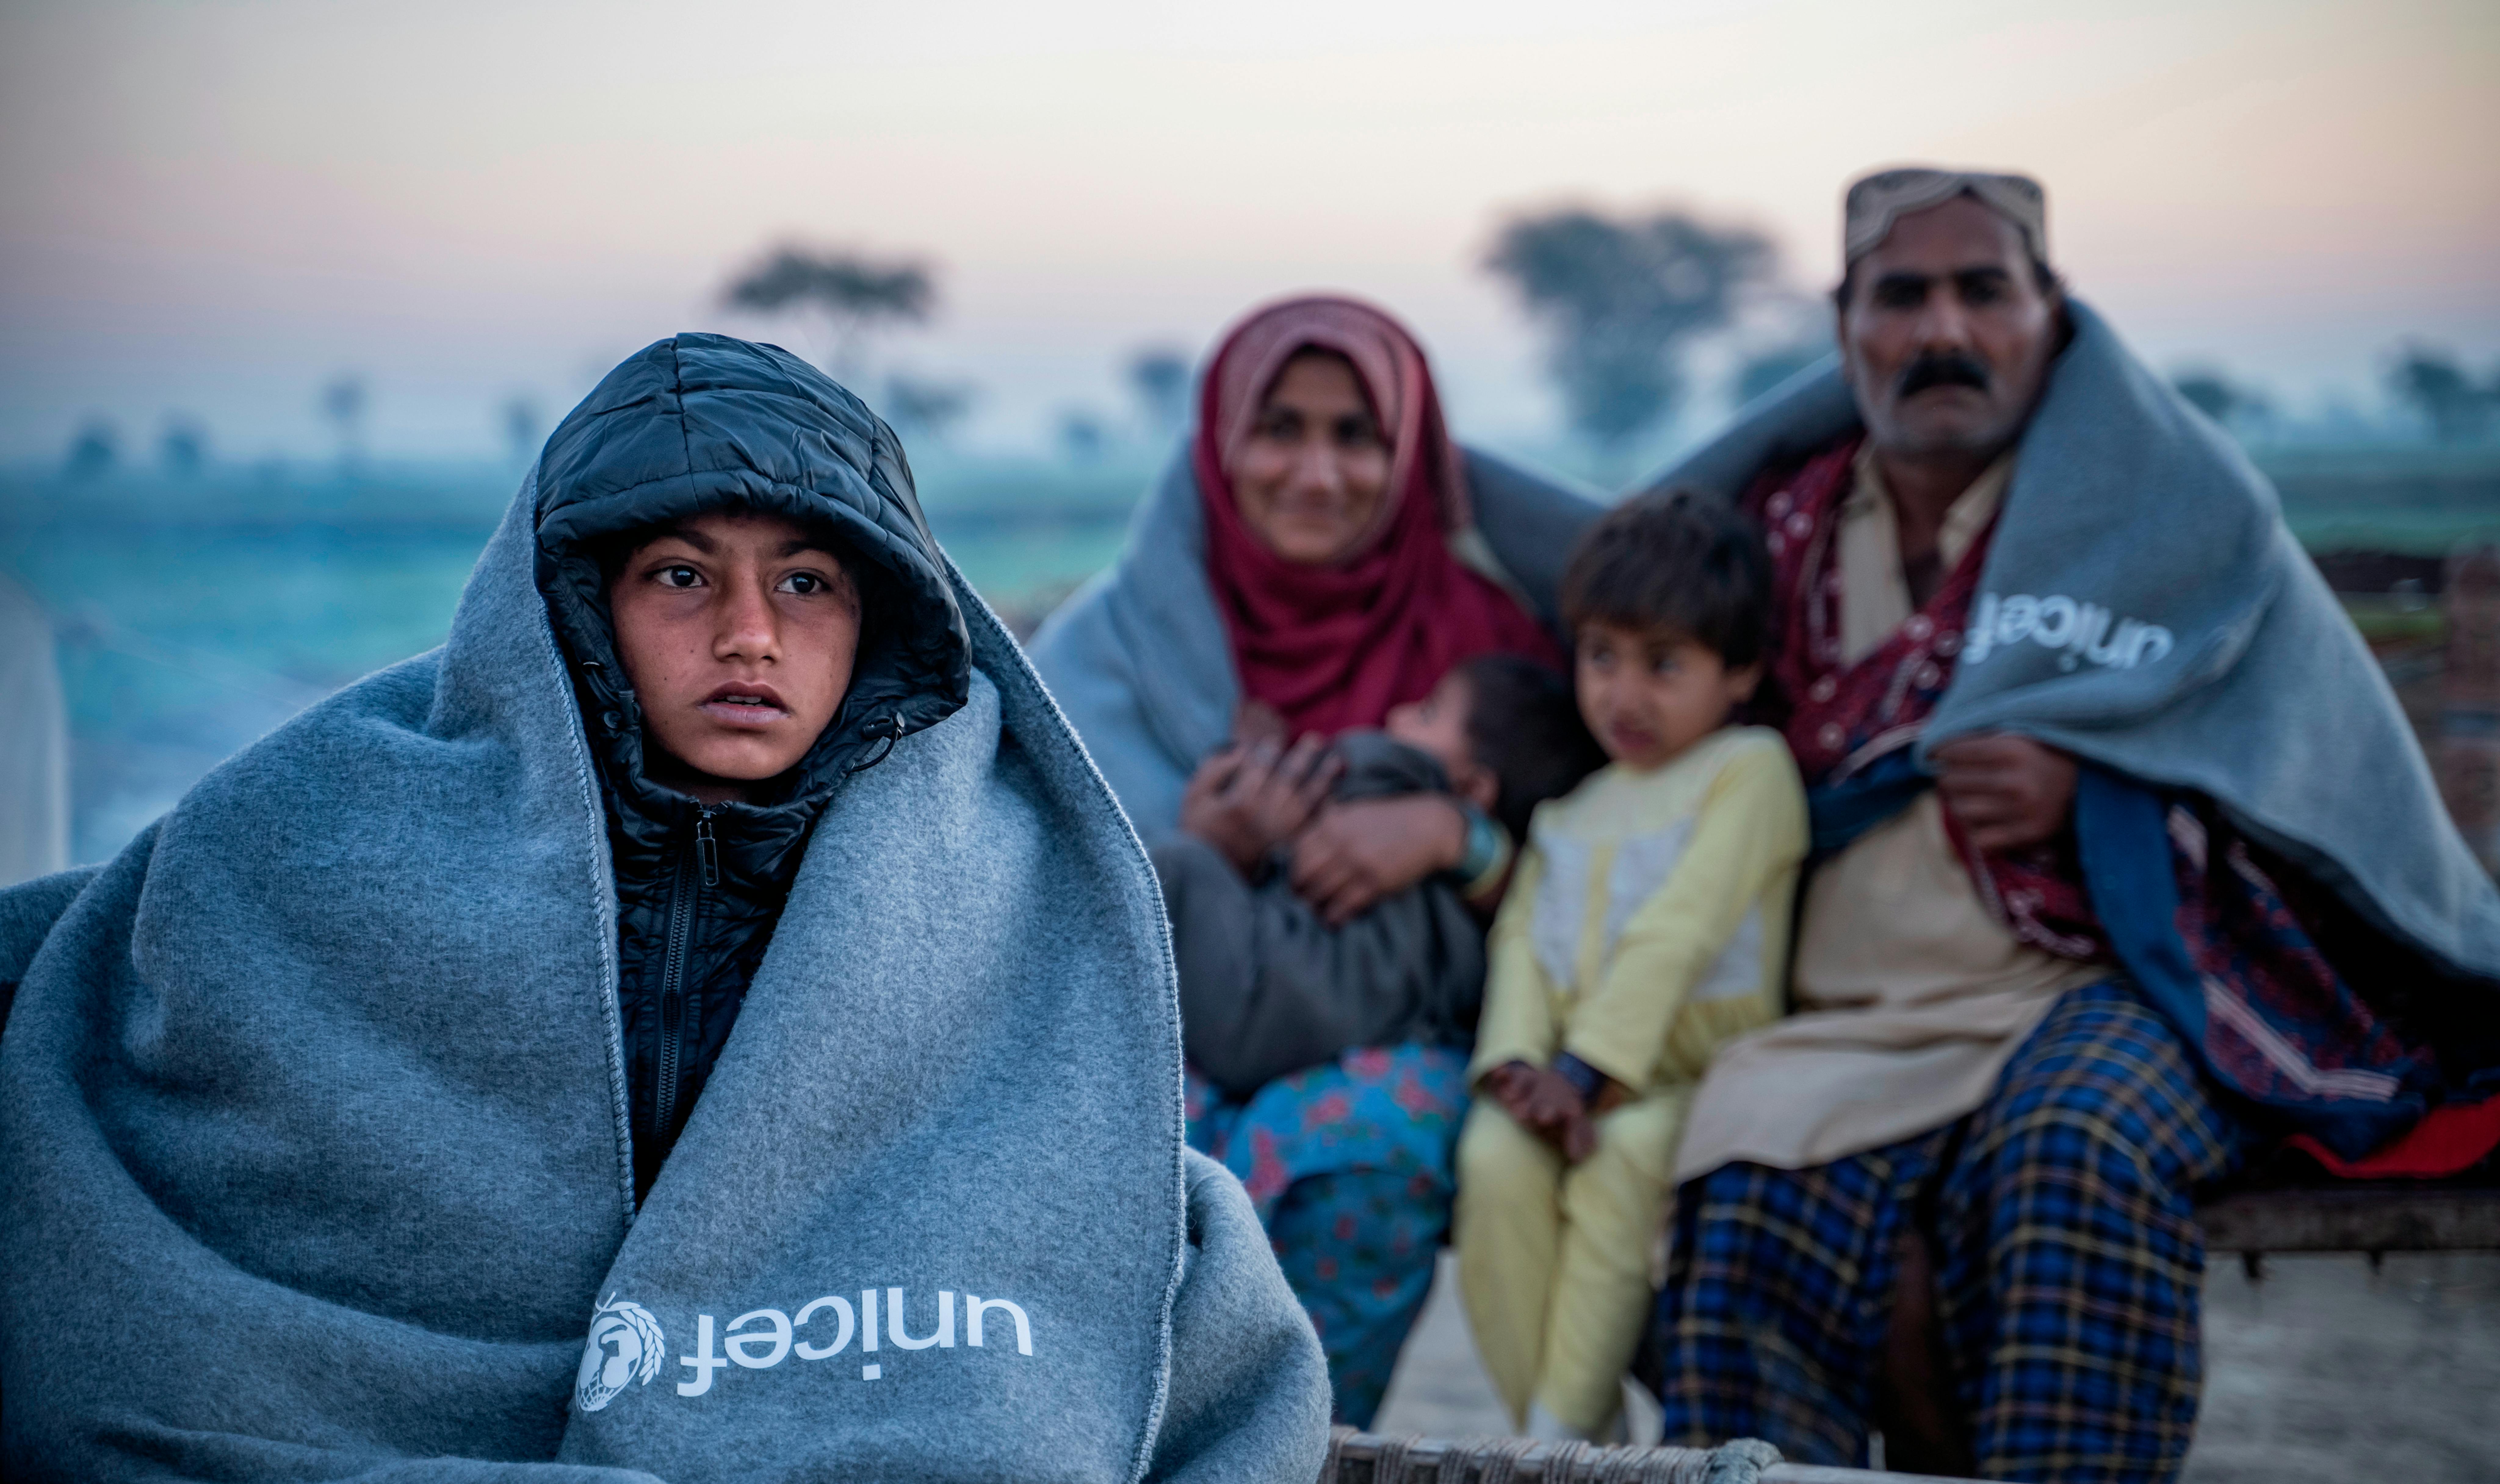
(1249, 798)
(1355, 854)
(2006, 791)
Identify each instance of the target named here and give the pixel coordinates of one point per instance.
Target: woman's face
(1311, 476)
(738, 633)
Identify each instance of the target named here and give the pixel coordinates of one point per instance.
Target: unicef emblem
(625, 1346)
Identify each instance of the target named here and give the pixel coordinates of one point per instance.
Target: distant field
(194, 615)
(2417, 502)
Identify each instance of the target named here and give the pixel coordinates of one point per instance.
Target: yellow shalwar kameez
(1647, 925)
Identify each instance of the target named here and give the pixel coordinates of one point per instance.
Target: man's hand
(2006, 791)
(1354, 854)
(1249, 798)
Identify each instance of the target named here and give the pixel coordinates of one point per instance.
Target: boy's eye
(803, 583)
(679, 577)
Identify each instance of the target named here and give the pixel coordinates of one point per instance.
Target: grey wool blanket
(312, 1114)
(2144, 607)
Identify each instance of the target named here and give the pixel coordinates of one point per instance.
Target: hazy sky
(215, 206)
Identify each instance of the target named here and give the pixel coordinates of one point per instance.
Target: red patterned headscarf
(1335, 647)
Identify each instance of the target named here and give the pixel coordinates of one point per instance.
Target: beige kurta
(1910, 993)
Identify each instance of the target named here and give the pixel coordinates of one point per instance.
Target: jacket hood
(705, 422)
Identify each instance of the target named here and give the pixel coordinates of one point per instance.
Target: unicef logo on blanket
(2075, 631)
(625, 1347)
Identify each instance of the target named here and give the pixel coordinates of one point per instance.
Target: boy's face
(1649, 693)
(737, 632)
(1438, 724)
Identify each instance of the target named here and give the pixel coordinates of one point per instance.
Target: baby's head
(1507, 732)
(1668, 597)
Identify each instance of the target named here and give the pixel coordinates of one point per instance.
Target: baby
(1647, 925)
(1267, 987)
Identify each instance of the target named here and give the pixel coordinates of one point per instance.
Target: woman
(515, 1067)
(1324, 553)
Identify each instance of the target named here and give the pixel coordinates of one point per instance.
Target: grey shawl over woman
(314, 1105)
(1139, 660)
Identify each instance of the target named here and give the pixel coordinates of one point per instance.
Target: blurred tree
(183, 447)
(1621, 300)
(925, 408)
(343, 403)
(94, 449)
(2214, 392)
(523, 430)
(2430, 380)
(1081, 436)
(853, 294)
(1764, 369)
(1159, 374)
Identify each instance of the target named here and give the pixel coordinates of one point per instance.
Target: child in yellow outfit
(1647, 925)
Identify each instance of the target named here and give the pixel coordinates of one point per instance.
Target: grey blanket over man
(313, 1116)
(2142, 606)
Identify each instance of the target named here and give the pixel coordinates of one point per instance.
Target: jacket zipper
(701, 863)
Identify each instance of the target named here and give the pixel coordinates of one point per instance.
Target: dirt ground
(2323, 1372)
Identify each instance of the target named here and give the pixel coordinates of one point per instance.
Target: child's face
(1438, 724)
(1648, 693)
(738, 633)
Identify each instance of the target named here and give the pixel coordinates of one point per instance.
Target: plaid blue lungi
(2069, 1266)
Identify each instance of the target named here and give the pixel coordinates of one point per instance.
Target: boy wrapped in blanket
(1647, 927)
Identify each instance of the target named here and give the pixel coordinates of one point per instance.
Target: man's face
(1946, 334)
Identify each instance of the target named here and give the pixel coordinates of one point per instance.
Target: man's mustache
(1950, 368)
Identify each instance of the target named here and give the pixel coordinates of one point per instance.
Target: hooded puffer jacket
(708, 423)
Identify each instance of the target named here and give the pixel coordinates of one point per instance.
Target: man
(2129, 868)
(706, 1021)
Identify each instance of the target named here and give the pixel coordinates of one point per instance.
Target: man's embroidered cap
(1875, 202)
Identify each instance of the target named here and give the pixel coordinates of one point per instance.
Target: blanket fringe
(1366, 1458)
